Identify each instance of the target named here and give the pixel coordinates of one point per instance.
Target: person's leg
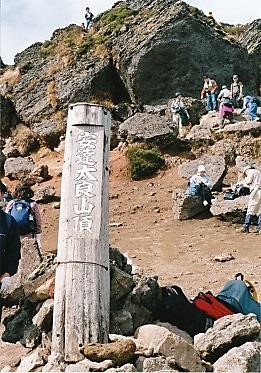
(247, 223)
(180, 127)
(214, 101)
(209, 102)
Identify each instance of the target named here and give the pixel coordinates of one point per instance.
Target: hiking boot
(242, 230)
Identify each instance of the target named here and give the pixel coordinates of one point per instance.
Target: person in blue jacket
(10, 246)
(250, 105)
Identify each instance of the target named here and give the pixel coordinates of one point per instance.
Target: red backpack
(212, 306)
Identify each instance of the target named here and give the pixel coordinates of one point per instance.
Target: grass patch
(115, 17)
(86, 45)
(235, 31)
(143, 162)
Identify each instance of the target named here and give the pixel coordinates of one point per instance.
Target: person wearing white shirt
(200, 184)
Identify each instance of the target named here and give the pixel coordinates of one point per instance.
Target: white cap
(246, 168)
(201, 168)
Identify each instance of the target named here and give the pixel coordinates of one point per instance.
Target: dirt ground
(142, 225)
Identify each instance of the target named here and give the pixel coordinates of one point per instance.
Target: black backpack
(177, 310)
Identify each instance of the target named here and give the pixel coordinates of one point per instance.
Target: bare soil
(142, 225)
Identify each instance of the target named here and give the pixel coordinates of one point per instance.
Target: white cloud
(24, 22)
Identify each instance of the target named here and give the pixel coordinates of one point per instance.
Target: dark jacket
(10, 244)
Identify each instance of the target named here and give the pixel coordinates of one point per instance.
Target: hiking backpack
(177, 310)
(212, 306)
(21, 211)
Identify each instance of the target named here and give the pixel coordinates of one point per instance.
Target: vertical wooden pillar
(82, 284)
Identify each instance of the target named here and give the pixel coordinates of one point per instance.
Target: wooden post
(82, 283)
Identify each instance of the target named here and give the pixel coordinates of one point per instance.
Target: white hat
(201, 168)
(247, 168)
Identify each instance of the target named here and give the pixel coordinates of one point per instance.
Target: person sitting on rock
(88, 17)
(209, 90)
(226, 106)
(26, 212)
(180, 114)
(253, 180)
(10, 246)
(200, 185)
(237, 91)
(250, 106)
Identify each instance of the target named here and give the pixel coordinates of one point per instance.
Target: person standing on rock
(237, 91)
(26, 213)
(226, 107)
(10, 246)
(209, 91)
(253, 180)
(88, 17)
(250, 106)
(180, 115)
(200, 185)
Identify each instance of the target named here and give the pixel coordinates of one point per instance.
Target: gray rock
(121, 322)
(121, 284)
(245, 358)
(10, 150)
(55, 364)
(32, 337)
(18, 168)
(45, 195)
(230, 210)
(242, 162)
(227, 332)
(168, 344)
(124, 368)
(184, 206)
(177, 331)
(32, 361)
(43, 319)
(215, 169)
(49, 132)
(159, 364)
(242, 129)
(143, 127)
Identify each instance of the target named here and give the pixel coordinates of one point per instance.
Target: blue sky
(24, 22)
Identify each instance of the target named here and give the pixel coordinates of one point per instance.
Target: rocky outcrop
(18, 168)
(184, 206)
(215, 169)
(8, 115)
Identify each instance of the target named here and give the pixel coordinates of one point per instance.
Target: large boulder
(49, 132)
(245, 358)
(230, 210)
(227, 332)
(184, 206)
(18, 168)
(215, 169)
(145, 127)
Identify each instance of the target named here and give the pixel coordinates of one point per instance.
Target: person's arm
(12, 254)
(221, 93)
(249, 179)
(208, 182)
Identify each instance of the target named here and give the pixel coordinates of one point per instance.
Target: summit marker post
(82, 282)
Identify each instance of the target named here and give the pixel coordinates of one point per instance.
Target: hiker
(88, 17)
(180, 114)
(250, 106)
(236, 89)
(26, 212)
(253, 180)
(209, 91)
(200, 185)
(10, 246)
(226, 108)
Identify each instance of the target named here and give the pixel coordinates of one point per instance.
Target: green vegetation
(86, 45)
(115, 17)
(46, 48)
(143, 162)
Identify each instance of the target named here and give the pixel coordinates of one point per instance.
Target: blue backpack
(21, 211)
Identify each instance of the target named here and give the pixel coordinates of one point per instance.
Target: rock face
(245, 358)
(145, 127)
(233, 211)
(215, 169)
(227, 332)
(184, 206)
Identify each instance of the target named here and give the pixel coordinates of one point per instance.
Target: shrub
(234, 31)
(116, 17)
(143, 162)
(86, 45)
